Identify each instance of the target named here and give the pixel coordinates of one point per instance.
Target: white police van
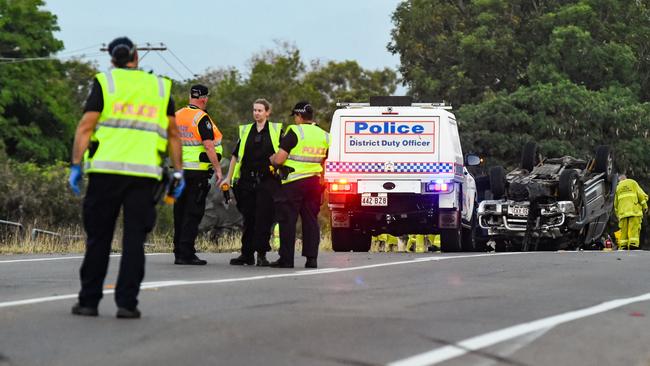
(397, 167)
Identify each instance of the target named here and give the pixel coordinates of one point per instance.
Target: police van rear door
(377, 145)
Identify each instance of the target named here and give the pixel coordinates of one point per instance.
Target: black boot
(243, 259)
(77, 309)
(280, 264)
(261, 260)
(194, 261)
(311, 263)
(124, 313)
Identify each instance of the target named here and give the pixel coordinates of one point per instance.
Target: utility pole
(148, 47)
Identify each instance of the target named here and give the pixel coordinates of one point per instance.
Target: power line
(148, 47)
(80, 49)
(170, 65)
(181, 62)
(13, 60)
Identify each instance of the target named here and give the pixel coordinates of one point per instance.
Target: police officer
(202, 152)
(630, 203)
(127, 127)
(304, 149)
(254, 184)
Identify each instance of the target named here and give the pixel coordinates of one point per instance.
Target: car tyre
(362, 242)
(529, 156)
(604, 162)
(451, 240)
(568, 187)
(346, 240)
(469, 240)
(497, 182)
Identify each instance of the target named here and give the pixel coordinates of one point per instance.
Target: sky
(218, 33)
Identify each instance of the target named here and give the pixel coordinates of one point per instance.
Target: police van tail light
(439, 186)
(342, 186)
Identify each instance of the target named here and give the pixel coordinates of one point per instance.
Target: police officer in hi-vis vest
(126, 130)
(304, 148)
(202, 152)
(253, 183)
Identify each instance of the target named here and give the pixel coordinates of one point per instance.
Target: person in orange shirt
(202, 150)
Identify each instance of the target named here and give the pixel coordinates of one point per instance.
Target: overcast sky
(214, 34)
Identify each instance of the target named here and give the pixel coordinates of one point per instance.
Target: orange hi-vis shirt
(187, 120)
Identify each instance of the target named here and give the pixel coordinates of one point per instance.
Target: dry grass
(72, 241)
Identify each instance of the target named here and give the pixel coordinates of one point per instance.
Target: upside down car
(549, 204)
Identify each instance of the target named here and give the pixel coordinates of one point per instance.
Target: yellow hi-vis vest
(132, 129)
(187, 120)
(630, 199)
(244, 130)
(308, 155)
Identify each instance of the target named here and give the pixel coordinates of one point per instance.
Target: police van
(397, 167)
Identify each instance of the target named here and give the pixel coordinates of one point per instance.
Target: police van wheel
(346, 240)
(362, 243)
(450, 240)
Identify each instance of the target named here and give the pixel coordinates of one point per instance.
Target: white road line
(466, 346)
(508, 349)
(161, 284)
(63, 258)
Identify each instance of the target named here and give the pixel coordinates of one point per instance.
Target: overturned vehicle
(550, 204)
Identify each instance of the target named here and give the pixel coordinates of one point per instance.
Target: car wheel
(497, 182)
(568, 187)
(604, 162)
(362, 243)
(450, 240)
(500, 245)
(346, 240)
(529, 156)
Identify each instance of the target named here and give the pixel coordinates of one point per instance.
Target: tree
(568, 74)
(463, 51)
(282, 77)
(39, 100)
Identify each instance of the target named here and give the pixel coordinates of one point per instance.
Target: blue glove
(74, 180)
(177, 185)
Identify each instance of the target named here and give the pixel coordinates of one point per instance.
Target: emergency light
(438, 186)
(341, 185)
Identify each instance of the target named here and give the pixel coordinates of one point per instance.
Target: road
(545, 308)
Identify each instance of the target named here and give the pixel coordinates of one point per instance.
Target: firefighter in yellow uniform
(416, 242)
(304, 149)
(202, 152)
(630, 203)
(127, 126)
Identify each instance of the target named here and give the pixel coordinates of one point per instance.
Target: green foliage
(33, 193)
(281, 77)
(568, 74)
(39, 99)
(565, 119)
(462, 51)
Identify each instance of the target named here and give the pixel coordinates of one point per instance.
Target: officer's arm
(214, 159)
(82, 135)
(174, 141)
(231, 170)
(279, 157)
(643, 198)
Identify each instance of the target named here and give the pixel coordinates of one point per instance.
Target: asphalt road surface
(564, 308)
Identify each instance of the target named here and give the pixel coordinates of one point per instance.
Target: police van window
(454, 136)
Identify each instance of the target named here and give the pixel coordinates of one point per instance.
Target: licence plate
(518, 210)
(381, 199)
